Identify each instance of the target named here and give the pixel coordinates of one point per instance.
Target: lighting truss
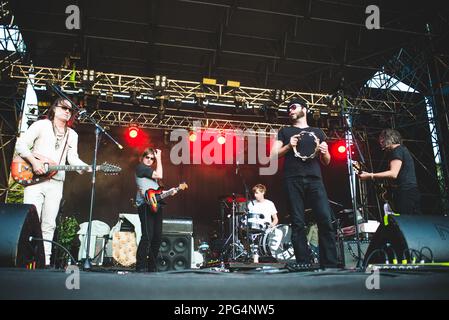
(119, 84)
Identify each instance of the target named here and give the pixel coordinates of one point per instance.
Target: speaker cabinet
(175, 252)
(348, 252)
(19, 222)
(423, 237)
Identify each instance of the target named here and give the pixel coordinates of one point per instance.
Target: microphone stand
(348, 137)
(98, 130)
(247, 197)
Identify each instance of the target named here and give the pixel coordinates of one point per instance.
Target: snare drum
(253, 222)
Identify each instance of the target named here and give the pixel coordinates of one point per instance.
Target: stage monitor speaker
(19, 222)
(175, 252)
(423, 237)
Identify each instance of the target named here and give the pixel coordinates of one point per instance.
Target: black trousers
(150, 242)
(407, 201)
(311, 188)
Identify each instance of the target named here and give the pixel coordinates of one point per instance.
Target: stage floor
(210, 284)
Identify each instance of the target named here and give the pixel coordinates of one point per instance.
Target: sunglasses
(65, 108)
(149, 158)
(294, 106)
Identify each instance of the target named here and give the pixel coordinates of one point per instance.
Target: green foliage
(15, 192)
(67, 231)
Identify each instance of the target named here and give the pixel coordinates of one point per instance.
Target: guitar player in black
(405, 193)
(148, 174)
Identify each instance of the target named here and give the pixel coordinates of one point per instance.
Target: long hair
(390, 136)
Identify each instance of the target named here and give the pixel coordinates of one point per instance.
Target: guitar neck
(169, 193)
(68, 168)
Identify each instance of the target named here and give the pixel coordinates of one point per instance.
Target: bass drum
(276, 242)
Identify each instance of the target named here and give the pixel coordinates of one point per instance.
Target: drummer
(263, 211)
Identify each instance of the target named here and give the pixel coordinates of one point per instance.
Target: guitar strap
(65, 145)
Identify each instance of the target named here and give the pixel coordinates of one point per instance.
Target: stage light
(239, 104)
(160, 82)
(201, 101)
(192, 136)
(133, 132)
(233, 84)
(209, 81)
(109, 96)
(221, 139)
(279, 95)
(161, 108)
(87, 77)
(338, 150)
(133, 97)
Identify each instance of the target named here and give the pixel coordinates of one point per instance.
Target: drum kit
(251, 237)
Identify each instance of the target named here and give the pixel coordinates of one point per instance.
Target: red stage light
(341, 149)
(133, 132)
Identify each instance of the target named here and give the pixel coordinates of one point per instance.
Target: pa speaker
(405, 237)
(19, 222)
(175, 252)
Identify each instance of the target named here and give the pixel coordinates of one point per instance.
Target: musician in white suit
(54, 139)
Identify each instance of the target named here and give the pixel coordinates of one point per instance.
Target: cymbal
(230, 198)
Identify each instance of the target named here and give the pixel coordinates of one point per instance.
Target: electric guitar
(22, 171)
(153, 197)
(384, 187)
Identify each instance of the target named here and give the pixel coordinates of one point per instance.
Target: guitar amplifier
(178, 225)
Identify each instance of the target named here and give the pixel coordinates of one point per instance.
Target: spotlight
(160, 82)
(133, 132)
(109, 96)
(161, 108)
(192, 136)
(221, 138)
(341, 149)
(279, 95)
(201, 101)
(88, 77)
(239, 103)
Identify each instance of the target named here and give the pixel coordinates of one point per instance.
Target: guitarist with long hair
(53, 139)
(405, 193)
(149, 172)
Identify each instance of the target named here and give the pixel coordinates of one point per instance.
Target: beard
(297, 116)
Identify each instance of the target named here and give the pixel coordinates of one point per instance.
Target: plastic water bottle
(256, 258)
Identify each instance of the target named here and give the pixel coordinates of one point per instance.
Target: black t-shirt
(294, 166)
(143, 171)
(406, 178)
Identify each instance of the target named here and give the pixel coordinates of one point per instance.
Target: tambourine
(308, 145)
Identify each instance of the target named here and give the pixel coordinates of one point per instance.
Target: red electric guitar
(153, 196)
(22, 171)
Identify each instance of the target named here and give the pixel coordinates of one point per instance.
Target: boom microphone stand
(349, 137)
(82, 113)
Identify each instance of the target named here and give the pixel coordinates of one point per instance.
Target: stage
(211, 284)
